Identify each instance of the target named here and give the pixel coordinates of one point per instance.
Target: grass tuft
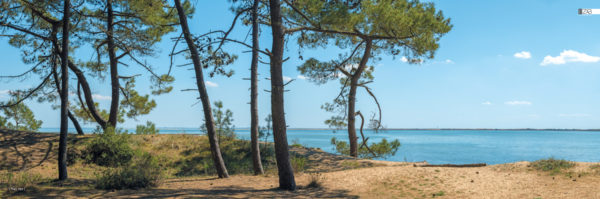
(553, 165)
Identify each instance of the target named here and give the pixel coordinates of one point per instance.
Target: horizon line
(405, 129)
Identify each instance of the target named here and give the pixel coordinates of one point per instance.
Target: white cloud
(301, 77)
(514, 103)
(574, 115)
(3, 93)
(404, 59)
(211, 84)
(100, 97)
(569, 56)
(523, 55)
(448, 61)
(486, 103)
(286, 79)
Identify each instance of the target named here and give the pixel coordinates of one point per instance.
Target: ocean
(452, 146)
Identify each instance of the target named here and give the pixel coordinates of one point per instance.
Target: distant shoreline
(393, 129)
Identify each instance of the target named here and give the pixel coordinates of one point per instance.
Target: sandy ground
(341, 177)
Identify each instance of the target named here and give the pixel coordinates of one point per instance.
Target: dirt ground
(340, 177)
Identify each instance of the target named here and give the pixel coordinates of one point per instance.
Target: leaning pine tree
(215, 58)
(397, 27)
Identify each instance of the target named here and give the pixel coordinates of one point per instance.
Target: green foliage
(298, 163)
(223, 122)
(552, 165)
(142, 172)
(381, 149)
(133, 103)
(148, 129)
(18, 117)
(109, 149)
(237, 157)
(296, 143)
(19, 181)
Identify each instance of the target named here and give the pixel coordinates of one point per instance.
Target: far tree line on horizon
(46, 32)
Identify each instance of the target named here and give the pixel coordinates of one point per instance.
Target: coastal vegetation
(122, 34)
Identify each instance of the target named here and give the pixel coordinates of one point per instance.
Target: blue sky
(505, 64)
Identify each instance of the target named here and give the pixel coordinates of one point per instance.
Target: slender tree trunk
(258, 169)
(75, 123)
(56, 82)
(87, 94)
(352, 100)
(208, 118)
(114, 73)
(286, 173)
(64, 96)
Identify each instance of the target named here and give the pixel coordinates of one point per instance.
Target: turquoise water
(456, 146)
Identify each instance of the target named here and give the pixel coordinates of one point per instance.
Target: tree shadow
(23, 150)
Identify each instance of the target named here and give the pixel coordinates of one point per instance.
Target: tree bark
(64, 96)
(352, 139)
(114, 73)
(284, 167)
(208, 118)
(75, 123)
(56, 82)
(256, 160)
(87, 94)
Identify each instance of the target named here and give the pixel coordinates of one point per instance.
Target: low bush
(142, 172)
(551, 164)
(236, 154)
(381, 149)
(19, 181)
(109, 149)
(148, 129)
(298, 163)
(315, 180)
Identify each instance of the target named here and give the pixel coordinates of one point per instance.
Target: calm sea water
(455, 146)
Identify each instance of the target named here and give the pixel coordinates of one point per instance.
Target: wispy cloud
(486, 103)
(4, 93)
(416, 61)
(523, 55)
(574, 115)
(211, 84)
(301, 77)
(567, 56)
(448, 61)
(516, 103)
(100, 97)
(286, 78)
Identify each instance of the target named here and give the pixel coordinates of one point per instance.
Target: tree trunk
(208, 118)
(256, 160)
(352, 139)
(114, 73)
(87, 94)
(75, 124)
(64, 97)
(56, 82)
(284, 167)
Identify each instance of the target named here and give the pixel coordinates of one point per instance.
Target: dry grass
(339, 176)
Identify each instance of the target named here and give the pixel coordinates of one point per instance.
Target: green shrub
(298, 163)
(109, 149)
(381, 149)
(19, 181)
(148, 129)
(551, 164)
(142, 172)
(236, 154)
